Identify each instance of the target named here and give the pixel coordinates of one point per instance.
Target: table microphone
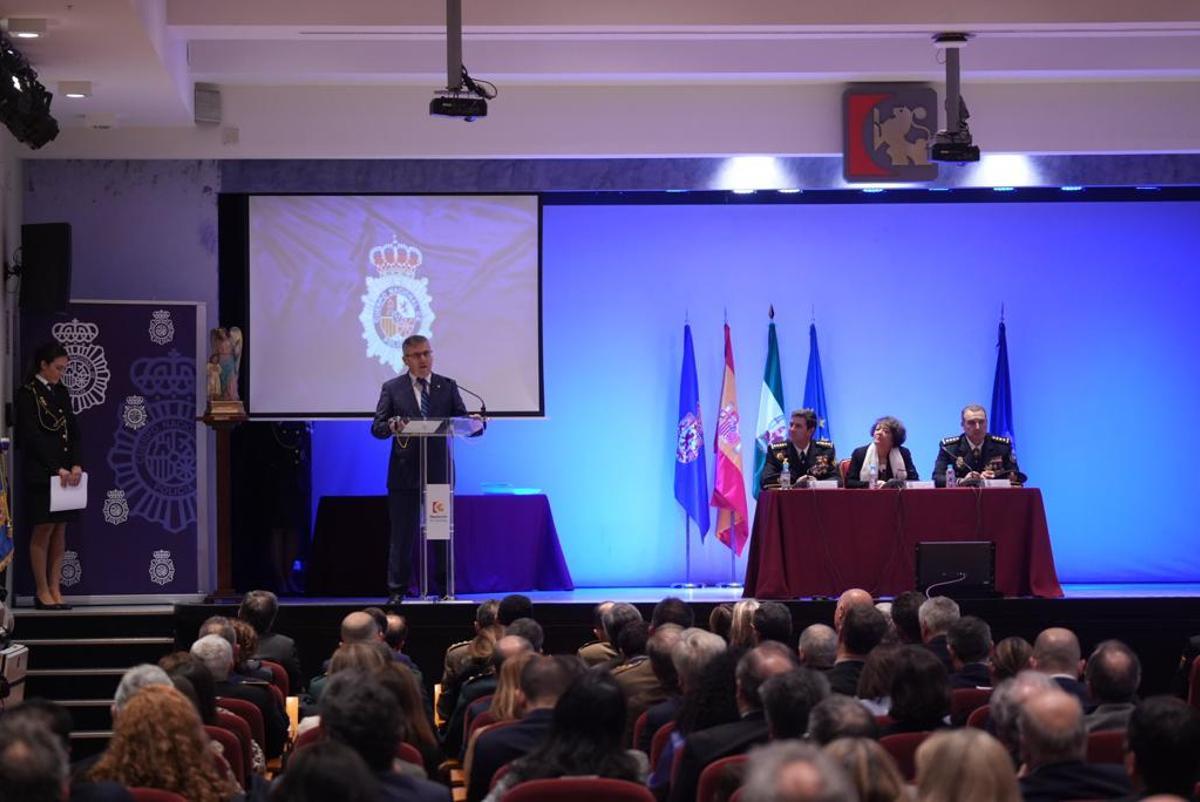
(473, 394)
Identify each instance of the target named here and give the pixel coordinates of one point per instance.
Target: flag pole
(687, 584)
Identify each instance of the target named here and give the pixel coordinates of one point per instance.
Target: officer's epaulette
(951, 440)
(995, 438)
(459, 645)
(780, 446)
(823, 443)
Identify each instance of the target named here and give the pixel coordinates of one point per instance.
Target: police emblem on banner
(133, 414)
(887, 130)
(87, 371)
(689, 439)
(116, 508)
(155, 464)
(397, 304)
(72, 569)
(162, 329)
(162, 568)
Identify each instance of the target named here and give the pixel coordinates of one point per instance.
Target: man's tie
(424, 397)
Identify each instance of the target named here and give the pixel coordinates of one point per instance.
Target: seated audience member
(772, 621)
(33, 764)
(615, 618)
(543, 682)
(369, 656)
(530, 630)
(1113, 674)
(214, 652)
(890, 637)
(875, 682)
(469, 665)
(741, 629)
(453, 739)
(247, 645)
(935, 616)
(818, 647)
(259, 609)
(43, 715)
(227, 628)
(893, 462)
(704, 746)
(789, 771)
(1009, 658)
(508, 704)
(854, 597)
(512, 607)
(965, 764)
(402, 684)
(357, 711)
(158, 742)
(185, 665)
(636, 675)
(870, 768)
(1053, 748)
(789, 698)
(861, 631)
(584, 738)
(906, 616)
(359, 626)
(1179, 683)
(395, 636)
(132, 681)
(1004, 708)
(688, 655)
(720, 620)
(969, 644)
(672, 610)
(598, 650)
(642, 695)
(840, 717)
(459, 655)
(1056, 653)
(920, 692)
(326, 770)
(1163, 747)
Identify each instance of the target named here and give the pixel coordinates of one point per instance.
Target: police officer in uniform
(48, 436)
(976, 454)
(807, 458)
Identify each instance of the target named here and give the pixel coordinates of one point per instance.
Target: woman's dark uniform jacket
(48, 438)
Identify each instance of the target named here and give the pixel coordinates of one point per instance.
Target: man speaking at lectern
(419, 393)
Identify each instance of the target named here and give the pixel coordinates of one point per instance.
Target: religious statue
(222, 373)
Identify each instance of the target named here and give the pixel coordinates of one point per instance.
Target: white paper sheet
(68, 498)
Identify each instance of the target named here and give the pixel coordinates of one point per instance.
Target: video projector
(458, 104)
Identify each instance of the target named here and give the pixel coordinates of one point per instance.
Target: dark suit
(395, 787)
(973, 675)
(48, 439)
(282, 649)
(275, 722)
(454, 737)
(885, 470)
(397, 399)
(843, 677)
(658, 715)
(705, 746)
(994, 454)
(937, 645)
(494, 749)
(819, 461)
(1077, 689)
(1075, 780)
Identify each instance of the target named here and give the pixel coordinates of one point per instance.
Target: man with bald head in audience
(791, 771)
(704, 746)
(818, 647)
(1113, 675)
(1056, 654)
(1053, 749)
(854, 597)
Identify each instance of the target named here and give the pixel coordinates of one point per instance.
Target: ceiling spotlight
(24, 27)
(75, 89)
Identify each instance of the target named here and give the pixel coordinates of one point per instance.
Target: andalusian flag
(729, 487)
(772, 425)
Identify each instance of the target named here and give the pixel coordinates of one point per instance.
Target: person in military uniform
(598, 651)
(48, 436)
(976, 454)
(463, 662)
(807, 458)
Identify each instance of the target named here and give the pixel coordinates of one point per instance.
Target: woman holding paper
(48, 437)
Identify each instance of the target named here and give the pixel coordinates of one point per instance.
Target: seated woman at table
(887, 451)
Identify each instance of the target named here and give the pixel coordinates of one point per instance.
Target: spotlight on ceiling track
(953, 144)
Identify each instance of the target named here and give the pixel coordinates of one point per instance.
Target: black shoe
(38, 604)
(395, 600)
(62, 606)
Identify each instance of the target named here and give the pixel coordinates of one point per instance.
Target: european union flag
(814, 386)
(691, 479)
(1002, 418)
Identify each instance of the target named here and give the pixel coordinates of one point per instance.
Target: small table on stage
(821, 542)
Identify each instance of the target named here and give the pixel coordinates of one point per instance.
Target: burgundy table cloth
(821, 542)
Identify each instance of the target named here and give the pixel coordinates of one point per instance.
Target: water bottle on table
(785, 476)
(874, 475)
(951, 480)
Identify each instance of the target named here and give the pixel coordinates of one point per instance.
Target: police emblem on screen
(72, 569)
(397, 304)
(87, 373)
(162, 568)
(116, 508)
(162, 330)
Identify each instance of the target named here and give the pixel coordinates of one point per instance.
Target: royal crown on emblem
(75, 332)
(396, 258)
(171, 375)
(161, 314)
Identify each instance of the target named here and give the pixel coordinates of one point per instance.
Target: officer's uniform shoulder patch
(995, 438)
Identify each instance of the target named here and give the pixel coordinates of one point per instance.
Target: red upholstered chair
(884, 721)
(1194, 684)
(979, 717)
(903, 749)
(231, 750)
(250, 713)
(659, 742)
(279, 676)
(737, 796)
(579, 789)
(499, 775)
(277, 692)
(154, 795)
(720, 774)
(843, 470)
(238, 726)
(409, 753)
(470, 717)
(964, 701)
(482, 720)
(639, 727)
(1106, 746)
(310, 736)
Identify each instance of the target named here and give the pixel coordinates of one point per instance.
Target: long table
(821, 542)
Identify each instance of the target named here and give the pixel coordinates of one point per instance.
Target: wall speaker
(45, 266)
(963, 568)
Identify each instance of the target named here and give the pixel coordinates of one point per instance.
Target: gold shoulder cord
(57, 421)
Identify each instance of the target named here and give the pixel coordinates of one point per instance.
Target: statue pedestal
(222, 417)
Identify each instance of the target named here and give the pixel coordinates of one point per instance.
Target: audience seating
(737, 796)
(231, 750)
(468, 717)
(884, 721)
(579, 789)
(279, 676)
(903, 749)
(404, 750)
(720, 775)
(499, 775)
(964, 701)
(980, 717)
(639, 727)
(238, 726)
(482, 720)
(154, 795)
(659, 742)
(1106, 746)
(1194, 684)
(277, 692)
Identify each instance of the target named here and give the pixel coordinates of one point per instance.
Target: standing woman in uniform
(49, 440)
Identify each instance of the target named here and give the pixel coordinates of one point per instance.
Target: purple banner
(134, 389)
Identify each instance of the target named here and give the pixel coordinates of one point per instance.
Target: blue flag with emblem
(1002, 418)
(691, 479)
(814, 386)
(772, 424)
(6, 530)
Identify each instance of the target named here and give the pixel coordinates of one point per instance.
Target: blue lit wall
(1101, 303)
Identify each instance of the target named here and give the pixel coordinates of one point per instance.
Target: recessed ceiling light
(75, 89)
(25, 27)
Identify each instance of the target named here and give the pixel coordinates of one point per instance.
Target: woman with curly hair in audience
(965, 764)
(584, 739)
(158, 742)
(871, 769)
